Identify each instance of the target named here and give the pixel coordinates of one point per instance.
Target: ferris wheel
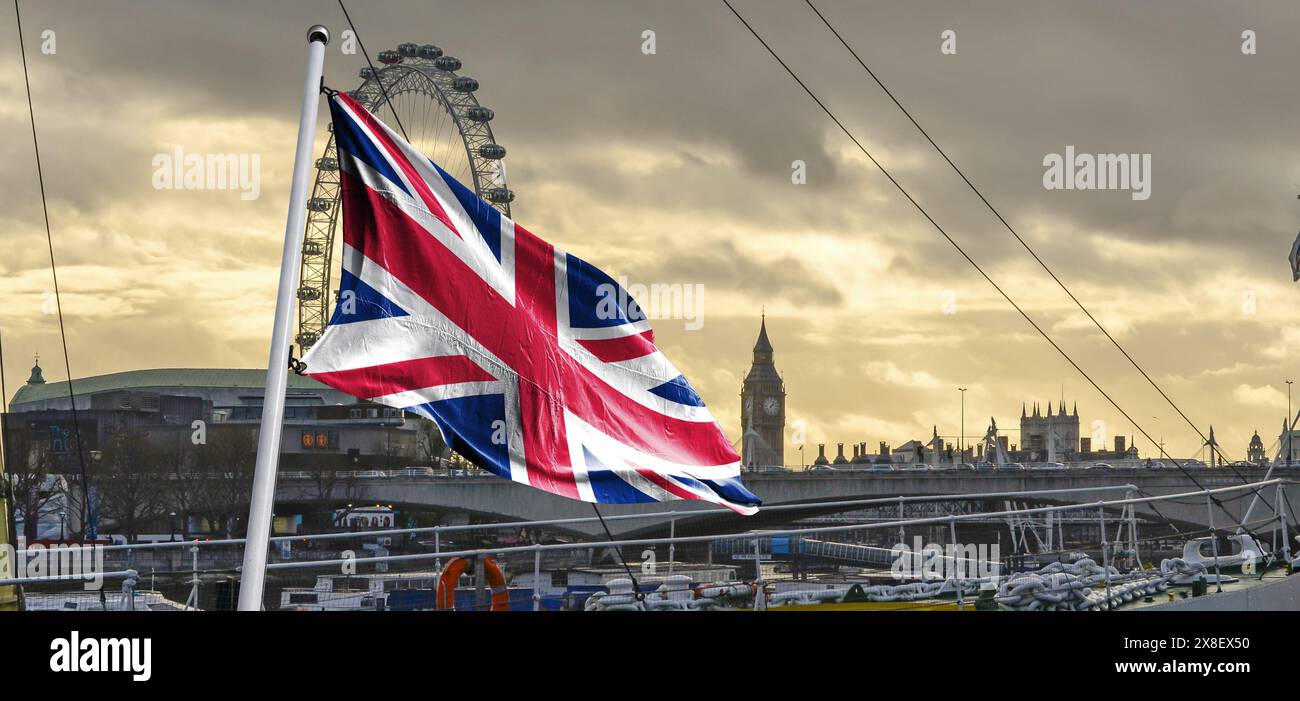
(441, 117)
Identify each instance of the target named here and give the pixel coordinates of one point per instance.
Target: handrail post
(1214, 542)
(902, 536)
(437, 547)
(760, 596)
(1133, 530)
(1286, 536)
(537, 578)
(1105, 549)
(957, 573)
(672, 546)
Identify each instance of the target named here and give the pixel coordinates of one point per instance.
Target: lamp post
(962, 436)
(1288, 422)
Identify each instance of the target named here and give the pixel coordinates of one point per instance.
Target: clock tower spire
(762, 408)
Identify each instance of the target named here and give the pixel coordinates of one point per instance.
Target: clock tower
(762, 409)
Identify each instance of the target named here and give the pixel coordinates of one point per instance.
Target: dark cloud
(721, 266)
(676, 167)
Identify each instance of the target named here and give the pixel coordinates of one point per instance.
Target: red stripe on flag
(613, 350)
(391, 378)
(666, 484)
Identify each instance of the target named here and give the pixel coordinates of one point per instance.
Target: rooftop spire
(762, 345)
(37, 378)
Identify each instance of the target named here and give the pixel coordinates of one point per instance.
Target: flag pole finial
(318, 32)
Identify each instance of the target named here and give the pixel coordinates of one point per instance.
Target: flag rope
(636, 588)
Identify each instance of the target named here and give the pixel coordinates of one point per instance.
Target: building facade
(1036, 430)
(324, 428)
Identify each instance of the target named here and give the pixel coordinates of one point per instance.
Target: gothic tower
(762, 409)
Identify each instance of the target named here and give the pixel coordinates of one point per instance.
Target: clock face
(771, 406)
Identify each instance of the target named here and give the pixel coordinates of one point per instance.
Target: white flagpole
(253, 573)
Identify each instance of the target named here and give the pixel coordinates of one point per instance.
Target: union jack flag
(534, 364)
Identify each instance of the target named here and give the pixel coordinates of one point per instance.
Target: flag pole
(253, 572)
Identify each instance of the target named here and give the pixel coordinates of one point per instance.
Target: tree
(27, 468)
(429, 446)
(131, 483)
(334, 485)
(227, 462)
(186, 483)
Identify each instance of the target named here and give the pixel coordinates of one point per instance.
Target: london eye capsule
(500, 195)
(366, 72)
(390, 57)
(428, 51)
(464, 84)
(492, 151)
(479, 114)
(312, 248)
(327, 164)
(447, 63)
(407, 49)
(320, 204)
(308, 294)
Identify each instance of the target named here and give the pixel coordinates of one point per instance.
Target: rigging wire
(636, 588)
(967, 256)
(1214, 447)
(58, 300)
(392, 108)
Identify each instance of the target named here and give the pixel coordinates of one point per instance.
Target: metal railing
(566, 556)
(671, 515)
(754, 534)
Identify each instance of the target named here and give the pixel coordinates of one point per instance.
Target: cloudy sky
(675, 168)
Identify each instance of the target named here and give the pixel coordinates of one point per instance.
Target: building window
(320, 440)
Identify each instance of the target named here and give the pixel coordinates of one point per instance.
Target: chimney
(821, 451)
(884, 448)
(839, 458)
(1085, 445)
(855, 451)
(1119, 444)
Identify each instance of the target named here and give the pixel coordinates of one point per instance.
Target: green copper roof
(163, 377)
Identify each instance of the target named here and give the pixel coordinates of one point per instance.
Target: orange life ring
(446, 595)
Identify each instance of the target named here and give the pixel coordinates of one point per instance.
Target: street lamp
(962, 436)
(1288, 422)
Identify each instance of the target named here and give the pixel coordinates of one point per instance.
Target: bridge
(491, 498)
